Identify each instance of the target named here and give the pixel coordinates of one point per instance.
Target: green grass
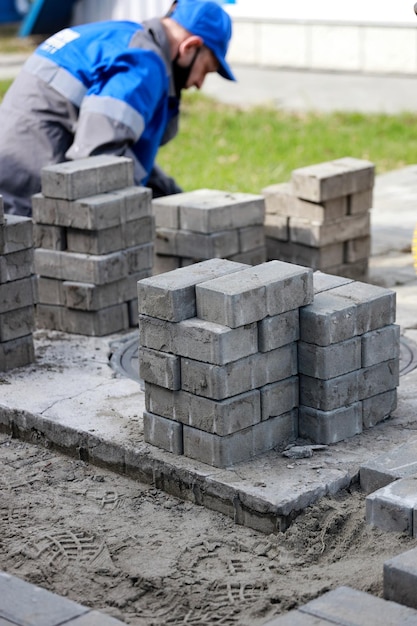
(227, 148)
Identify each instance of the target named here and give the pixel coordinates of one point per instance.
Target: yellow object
(414, 248)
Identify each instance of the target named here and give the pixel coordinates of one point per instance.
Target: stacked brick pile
(348, 359)
(218, 354)
(93, 233)
(321, 218)
(238, 360)
(205, 224)
(17, 291)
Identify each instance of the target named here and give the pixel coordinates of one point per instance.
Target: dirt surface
(146, 558)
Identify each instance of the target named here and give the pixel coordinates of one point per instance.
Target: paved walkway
(300, 90)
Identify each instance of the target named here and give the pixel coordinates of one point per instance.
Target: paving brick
(251, 257)
(16, 353)
(377, 408)
(349, 607)
(324, 282)
(252, 294)
(378, 378)
(166, 211)
(89, 297)
(29, 605)
(326, 427)
(401, 462)
(16, 294)
(16, 234)
(214, 343)
(218, 382)
(160, 368)
(157, 334)
(329, 361)
(162, 263)
(296, 618)
(357, 249)
(77, 267)
(375, 306)
(86, 177)
(208, 211)
(333, 179)
(319, 234)
(138, 232)
(400, 579)
(163, 433)
(252, 372)
(166, 241)
(96, 212)
(329, 319)
(51, 291)
(217, 417)
(391, 507)
(380, 345)
(136, 202)
(198, 339)
(171, 296)
(125, 235)
(281, 200)
(355, 271)
(242, 445)
(99, 211)
(106, 321)
(220, 244)
(139, 258)
(275, 365)
(327, 395)
(95, 241)
(360, 202)
(250, 238)
(277, 227)
(16, 265)
(278, 398)
(316, 258)
(49, 236)
(278, 330)
(233, 300)
(17, 323)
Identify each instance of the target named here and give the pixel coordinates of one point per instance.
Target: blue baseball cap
(210, 22)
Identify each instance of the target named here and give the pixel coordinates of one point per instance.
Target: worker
(107, 88)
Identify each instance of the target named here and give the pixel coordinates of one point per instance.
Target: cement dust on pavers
(147, 558)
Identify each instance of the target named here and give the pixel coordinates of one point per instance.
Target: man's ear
(188, 47)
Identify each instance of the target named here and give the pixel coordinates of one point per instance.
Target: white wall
(358, 11)
(374, 36)
(136, 10)
(369, 11)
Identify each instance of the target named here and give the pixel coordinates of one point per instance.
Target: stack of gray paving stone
(218, 354)
(390, 482)
(348, 358)
(321, 218)
(93, 233)
(17, 291)
(205, 224)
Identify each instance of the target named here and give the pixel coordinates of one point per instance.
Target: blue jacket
(119, 75)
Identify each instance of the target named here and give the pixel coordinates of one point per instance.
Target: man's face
(195, 62)
(204, 63)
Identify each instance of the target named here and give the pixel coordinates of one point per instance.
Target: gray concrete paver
(28, 605)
